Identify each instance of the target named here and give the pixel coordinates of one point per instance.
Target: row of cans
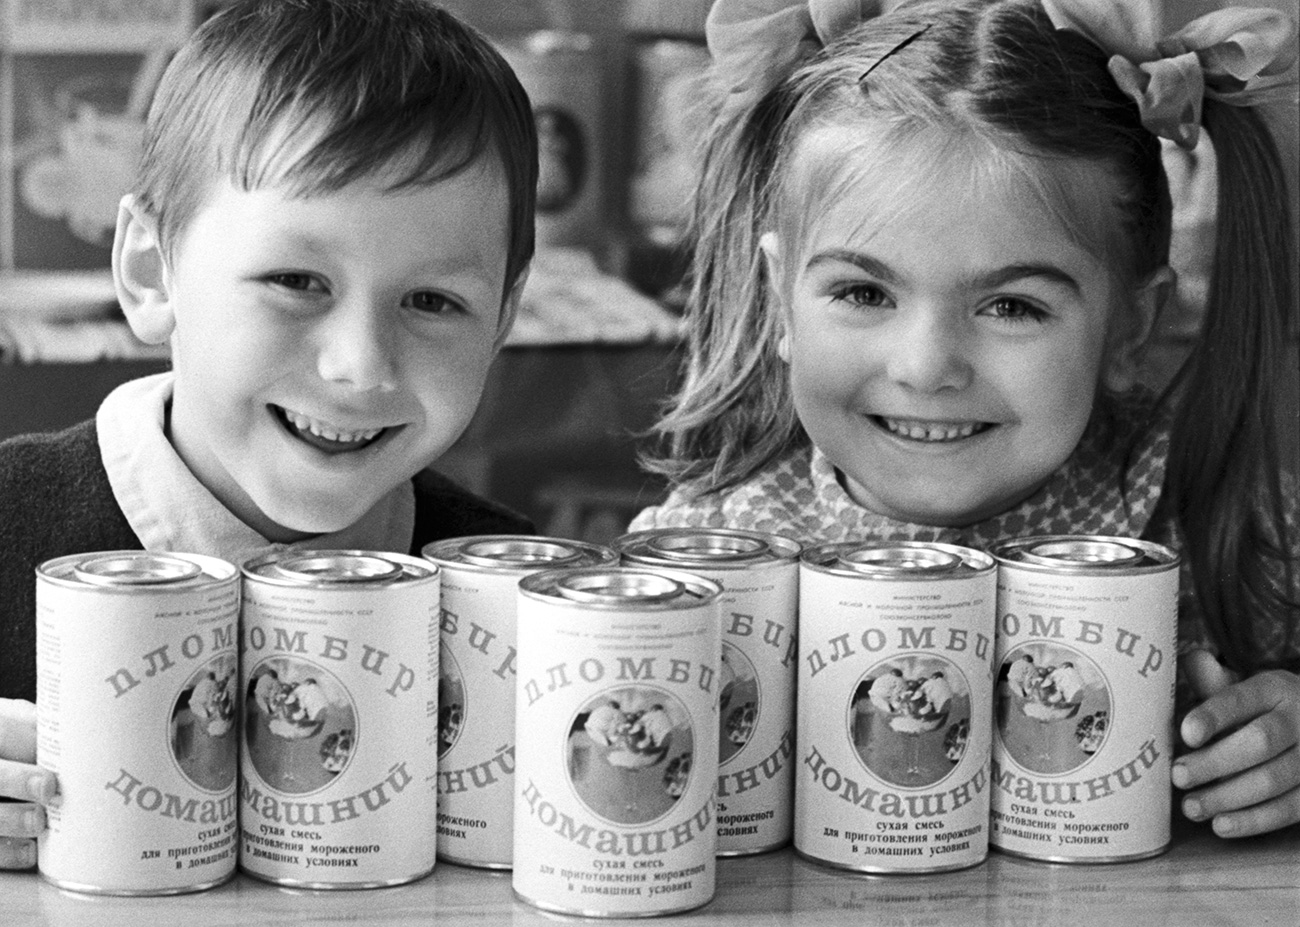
(605, 730)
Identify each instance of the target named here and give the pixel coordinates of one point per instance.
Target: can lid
(1083, 552)
(900, 559)
(314, 568)
(519, 552)
(615, 587)
(619, 586)
(135, 569)
(707, 546)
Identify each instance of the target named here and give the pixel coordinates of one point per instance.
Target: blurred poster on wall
(76, 78)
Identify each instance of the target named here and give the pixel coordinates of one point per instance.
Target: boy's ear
(1131, 330)
(770, 245)
(510, 308)
(140, 273)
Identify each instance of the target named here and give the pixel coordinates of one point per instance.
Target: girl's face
(945, 339)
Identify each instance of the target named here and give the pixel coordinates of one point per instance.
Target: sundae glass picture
(451, 703)
(738, 702)
(299, 725)
(629, 754)
(909, 718)
(202, 736)
(1042, 689)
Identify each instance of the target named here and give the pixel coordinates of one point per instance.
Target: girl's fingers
(1262, 818)
(1206, 674)
(1241, 702)
(17, 853)
(1263, 797)
(17, 730)
(1260, 741)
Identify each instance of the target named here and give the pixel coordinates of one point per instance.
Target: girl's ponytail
(1225, 477)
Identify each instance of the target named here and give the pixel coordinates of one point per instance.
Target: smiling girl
(930, 249)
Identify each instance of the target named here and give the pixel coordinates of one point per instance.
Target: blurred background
(613, 83)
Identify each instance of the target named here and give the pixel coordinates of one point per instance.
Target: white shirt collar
(170, 510)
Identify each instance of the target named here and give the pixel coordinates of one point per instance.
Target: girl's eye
(294, 280)
(428, 301)
(866, 295)
(1015, 310)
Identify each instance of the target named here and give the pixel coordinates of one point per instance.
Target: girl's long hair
(1039, 99)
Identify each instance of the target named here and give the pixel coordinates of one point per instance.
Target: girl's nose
(930, 353)
(356, 346)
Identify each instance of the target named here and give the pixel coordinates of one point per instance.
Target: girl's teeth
(930, 431)
(321, 430)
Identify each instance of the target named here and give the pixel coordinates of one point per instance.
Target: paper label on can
(614, 813)
(339, 710)
(756, 707)
(476, 729)
(1084, 720)
(136, 715)
(895, 680)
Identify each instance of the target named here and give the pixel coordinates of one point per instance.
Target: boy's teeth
(322, 430)
(930, 431)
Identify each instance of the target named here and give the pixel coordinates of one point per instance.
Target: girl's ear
(1131, 330)
(140, 273)
(770, 245)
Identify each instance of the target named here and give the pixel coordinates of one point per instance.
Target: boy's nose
(355, 346)
(929, 353)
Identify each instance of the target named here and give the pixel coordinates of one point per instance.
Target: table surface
(1200, 881)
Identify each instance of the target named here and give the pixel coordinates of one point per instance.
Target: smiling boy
(331, 228)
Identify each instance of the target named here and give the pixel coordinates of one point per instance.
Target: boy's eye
(1015, 310)
(428, 301)
(293, 280)
(867, 295)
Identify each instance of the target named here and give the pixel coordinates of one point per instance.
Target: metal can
(476, 688)
(894, 721)
(1086, 643)
(617, 725)
(339, 682)
(759, 575)
(135, 712)
(561, 72)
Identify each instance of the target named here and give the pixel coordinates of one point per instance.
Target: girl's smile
(930, 432)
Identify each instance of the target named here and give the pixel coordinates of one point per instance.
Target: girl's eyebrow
(991, 280)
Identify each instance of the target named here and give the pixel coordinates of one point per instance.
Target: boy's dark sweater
(55, 499)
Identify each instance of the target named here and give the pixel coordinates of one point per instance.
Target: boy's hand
(22, 779)
(1252, 771)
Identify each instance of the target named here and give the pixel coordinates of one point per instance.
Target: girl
(928, 256)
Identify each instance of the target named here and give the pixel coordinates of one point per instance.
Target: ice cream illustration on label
(909, 719)
(739, 702)
(300, 725)
(629, 754)
(202, 733)
(1053, 708)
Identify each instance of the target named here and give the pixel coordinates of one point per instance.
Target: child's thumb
(1206, 674)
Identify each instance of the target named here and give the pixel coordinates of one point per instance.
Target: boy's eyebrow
(990, 280)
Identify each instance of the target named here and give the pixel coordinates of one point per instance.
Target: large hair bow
(757, 43)
(1239, 55)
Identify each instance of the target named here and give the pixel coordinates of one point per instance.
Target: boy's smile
(329, 346)
(945, 335)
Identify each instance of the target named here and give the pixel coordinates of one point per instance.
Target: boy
(332, 224)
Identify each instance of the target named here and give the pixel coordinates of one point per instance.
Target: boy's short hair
(317, 94)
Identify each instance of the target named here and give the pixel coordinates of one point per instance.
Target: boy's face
(945, 346)
(328, 347)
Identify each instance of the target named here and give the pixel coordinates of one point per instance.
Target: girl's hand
(1251, 773)
(22, 779)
